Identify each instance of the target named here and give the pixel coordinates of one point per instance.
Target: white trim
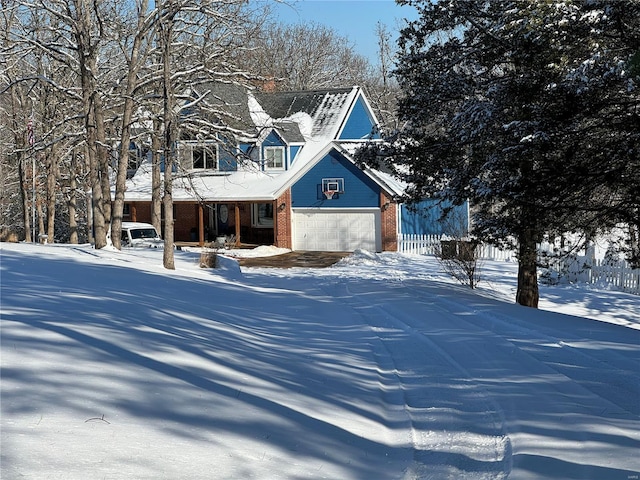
(274, 148)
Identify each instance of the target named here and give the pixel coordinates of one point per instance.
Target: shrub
(208, 259)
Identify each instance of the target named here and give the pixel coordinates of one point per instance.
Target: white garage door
(336, 230)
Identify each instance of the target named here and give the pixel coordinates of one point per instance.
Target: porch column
(134, 212)
(236, 208)
(200, 225)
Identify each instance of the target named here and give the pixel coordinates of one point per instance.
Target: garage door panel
(336, 230)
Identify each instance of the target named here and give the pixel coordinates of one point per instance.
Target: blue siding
(424, 218)
(227, 161)
(294, 152)
(359, 190)
(359, 124)
(227, 154)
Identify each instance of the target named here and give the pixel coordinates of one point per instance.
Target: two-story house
(289, 180)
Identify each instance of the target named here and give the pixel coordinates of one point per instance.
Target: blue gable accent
(359, 125)
(359, 190)
(424, 218)
(273, 140)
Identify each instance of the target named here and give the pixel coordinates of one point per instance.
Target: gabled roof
(313, 118)
(290, 132)
(386, 180)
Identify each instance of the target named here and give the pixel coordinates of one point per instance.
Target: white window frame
(259, 218)
(187, 149)
(274, 149)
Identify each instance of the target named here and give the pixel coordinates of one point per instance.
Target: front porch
(249, 224)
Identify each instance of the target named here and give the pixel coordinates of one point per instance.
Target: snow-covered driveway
(378, 368)
(497, 388)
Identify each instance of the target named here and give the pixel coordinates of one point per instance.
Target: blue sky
(355, 19)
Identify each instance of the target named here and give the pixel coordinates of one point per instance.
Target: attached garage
(336, 230)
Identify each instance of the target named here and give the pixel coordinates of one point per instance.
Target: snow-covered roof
(313, 118)
(326, 108)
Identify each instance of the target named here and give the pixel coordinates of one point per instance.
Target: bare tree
(304, 57)
(15, 108)
(105, 62)
(135, 55)
(170, 9)
(200, 37)
(382, 89)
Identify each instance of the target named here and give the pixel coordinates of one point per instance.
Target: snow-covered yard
(377, 368)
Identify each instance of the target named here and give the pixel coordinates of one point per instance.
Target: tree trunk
(87, 54)
(88, 197)
(169, 138)
(167, 201)
(121, 175)
(527, 294)
(103, 158)
(98, 224)
(125, 138)
(73, 201)
(19, 141)
(41, 228)
(51, 193)
(24, 197)
(156, 178)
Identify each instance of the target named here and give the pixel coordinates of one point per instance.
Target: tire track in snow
(457, 430)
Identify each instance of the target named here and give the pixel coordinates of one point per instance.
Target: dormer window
(199, 155)
(274, 158)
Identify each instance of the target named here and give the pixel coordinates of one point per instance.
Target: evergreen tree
(530, 109)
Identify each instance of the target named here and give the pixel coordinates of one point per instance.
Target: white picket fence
(618, 275)
(418, 244)
(428, 245)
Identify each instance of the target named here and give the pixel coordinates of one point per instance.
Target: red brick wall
(283, 221)
(389, 211)
(186, 218)
(140, 212)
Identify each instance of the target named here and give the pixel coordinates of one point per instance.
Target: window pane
(274, 157)
(198, 157)
(264, 214)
